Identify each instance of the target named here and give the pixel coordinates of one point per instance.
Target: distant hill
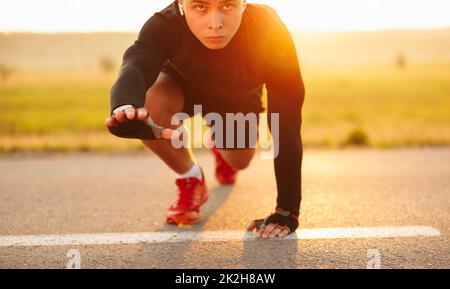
(65, 51)
(82, 51)
(360, 48)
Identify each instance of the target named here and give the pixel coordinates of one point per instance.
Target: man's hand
(128, 112)
(269, 231)
(277, 225)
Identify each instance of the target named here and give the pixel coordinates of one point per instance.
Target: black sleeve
(142, 63)
(286, 94)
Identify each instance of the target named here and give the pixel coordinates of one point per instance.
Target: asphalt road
(126, 193)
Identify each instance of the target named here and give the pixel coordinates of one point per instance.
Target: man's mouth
(215, 37)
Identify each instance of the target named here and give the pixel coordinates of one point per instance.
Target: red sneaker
(225, 173)
(186, 208)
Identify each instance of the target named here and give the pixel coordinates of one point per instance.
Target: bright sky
(107, 15)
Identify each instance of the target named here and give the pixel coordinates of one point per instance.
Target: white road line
(210, 236)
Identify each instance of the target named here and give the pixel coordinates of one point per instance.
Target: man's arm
(286, 94)
(142, 63)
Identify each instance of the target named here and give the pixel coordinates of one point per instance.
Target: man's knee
(163, 100)
(239, 158)
(242, 164)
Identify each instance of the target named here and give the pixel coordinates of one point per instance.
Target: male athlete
(218, 54)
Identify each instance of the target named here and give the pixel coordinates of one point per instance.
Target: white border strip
(210, 236)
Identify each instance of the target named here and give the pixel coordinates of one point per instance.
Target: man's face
(214, 22)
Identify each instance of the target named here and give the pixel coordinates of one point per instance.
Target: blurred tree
(357, 137)
(107, 64)
(400, 61)
(5, 71)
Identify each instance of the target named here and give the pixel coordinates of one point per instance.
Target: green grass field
(375, 106)
(394, 108)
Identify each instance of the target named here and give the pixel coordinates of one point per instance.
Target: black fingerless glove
(136, 129)
(281, 217)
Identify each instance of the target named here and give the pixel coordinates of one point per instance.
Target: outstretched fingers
(130, 113)
(142, 113)
(270, 231)
(110, 121)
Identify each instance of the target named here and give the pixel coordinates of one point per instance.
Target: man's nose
(216, 21)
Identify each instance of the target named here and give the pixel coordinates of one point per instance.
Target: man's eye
(228, 7)
(200, 7)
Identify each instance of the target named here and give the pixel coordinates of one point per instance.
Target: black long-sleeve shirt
(261, 52)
